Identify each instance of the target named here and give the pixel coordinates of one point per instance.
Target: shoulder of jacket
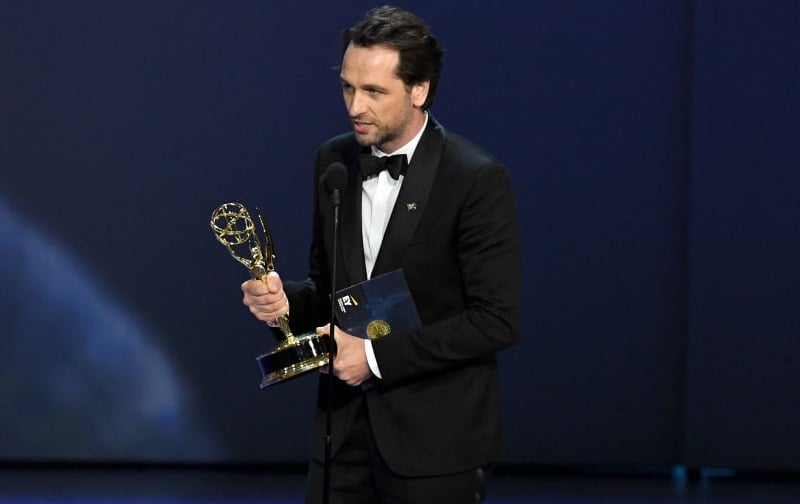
(466, 154)
(345, 141)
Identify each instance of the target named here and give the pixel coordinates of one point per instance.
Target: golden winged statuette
(236, 230)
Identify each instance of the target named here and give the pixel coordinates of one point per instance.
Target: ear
(419, 93)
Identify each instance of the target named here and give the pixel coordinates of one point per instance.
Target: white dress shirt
(378, 196)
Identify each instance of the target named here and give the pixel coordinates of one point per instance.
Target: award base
(293, 357)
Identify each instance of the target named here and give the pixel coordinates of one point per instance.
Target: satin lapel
(412, 200)
(350, 224)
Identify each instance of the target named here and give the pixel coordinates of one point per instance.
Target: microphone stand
(326, 486)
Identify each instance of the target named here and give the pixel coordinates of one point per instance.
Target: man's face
(385, 113)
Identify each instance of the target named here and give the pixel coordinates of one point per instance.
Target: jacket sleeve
(464, 269)
(308, 299)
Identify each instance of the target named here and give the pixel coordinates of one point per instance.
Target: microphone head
(335, 177)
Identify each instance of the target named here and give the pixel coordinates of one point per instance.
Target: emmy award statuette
(235, 229)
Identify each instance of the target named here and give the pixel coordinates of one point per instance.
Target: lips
(361, 127)
(362, 124)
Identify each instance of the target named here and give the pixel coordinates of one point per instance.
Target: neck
(414, 127)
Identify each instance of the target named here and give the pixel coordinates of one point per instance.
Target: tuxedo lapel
(350, 225)
(412, 199)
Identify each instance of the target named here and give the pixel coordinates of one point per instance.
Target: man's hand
(266, 300)
(350, 364)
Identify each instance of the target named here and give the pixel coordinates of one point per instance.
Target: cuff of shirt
(371, 360)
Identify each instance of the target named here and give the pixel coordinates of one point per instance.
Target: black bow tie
(371, 165)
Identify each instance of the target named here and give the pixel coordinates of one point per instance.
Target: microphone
(333, 181)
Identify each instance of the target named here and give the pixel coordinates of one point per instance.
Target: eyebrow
(376, 87)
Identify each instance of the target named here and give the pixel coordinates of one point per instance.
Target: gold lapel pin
(411, 206)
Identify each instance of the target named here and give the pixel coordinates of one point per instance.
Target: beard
(381, 135)
(384, 133)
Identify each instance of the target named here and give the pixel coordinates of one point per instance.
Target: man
(429, 428)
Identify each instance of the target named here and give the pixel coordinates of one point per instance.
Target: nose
(356, 105)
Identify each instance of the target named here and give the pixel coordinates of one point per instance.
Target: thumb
(274, 283)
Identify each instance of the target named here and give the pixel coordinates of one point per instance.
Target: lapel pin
(411, 206)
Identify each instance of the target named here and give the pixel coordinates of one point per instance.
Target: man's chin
(364, 140)
(374, 138)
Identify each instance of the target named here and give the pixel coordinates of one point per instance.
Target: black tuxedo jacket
(454, 233)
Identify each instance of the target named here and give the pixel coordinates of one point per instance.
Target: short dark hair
(420, 53)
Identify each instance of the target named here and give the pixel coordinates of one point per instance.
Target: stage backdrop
(653, 148)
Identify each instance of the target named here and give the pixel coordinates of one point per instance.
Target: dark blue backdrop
(654, 151)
